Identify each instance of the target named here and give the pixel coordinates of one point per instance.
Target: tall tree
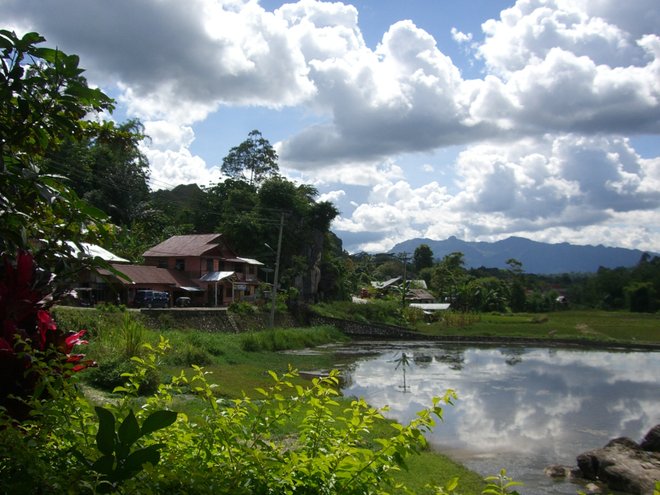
(108, 170)
(449, 276)
(254, 159)
(517, 296)
(423, 257)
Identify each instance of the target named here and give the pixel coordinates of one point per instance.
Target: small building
(210, 264)
(419, 296)
(201, 268)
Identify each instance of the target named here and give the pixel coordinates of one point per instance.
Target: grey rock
(592, 489)
(557, 471)
(651, 441)
(623, 465)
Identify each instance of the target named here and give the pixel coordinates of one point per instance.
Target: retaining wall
(210, 319)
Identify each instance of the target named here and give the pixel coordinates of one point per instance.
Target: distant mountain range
(536, 257)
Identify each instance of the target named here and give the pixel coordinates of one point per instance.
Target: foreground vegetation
(287, 435)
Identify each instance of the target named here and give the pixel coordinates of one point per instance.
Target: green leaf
(104, 465)
(48, 54)
(105, 437)
(129, 430)
(149, 454)
(157, 421)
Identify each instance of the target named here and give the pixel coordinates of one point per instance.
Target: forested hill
(536, 257)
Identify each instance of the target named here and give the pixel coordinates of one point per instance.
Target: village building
(201, 269)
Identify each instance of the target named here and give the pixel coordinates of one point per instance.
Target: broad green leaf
(157, 421)
(105, 437)
(104, 465)
(48, 54)
(129, 430)
(149, 454)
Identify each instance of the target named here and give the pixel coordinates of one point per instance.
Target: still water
(518, 408)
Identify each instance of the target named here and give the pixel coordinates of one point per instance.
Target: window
(209, 265)
(180, 264)
(162, 263)
(228, 291)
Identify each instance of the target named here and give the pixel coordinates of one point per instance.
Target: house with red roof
(201, 267)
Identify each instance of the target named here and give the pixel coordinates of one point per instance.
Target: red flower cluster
(28, 327)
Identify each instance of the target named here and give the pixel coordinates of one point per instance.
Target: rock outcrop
(625, 465)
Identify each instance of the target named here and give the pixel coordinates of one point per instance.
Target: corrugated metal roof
(185, 245)
(387, 283)
(94, 251)
(431, 306)
(143, 274)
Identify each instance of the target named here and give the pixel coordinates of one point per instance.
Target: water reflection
(518, 408)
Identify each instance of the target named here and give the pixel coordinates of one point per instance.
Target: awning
(248, 261)
(216, 276)
(191, 289)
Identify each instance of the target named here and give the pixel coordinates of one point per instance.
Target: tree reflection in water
(403, 362)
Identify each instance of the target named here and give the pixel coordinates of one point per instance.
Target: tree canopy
(254, 159)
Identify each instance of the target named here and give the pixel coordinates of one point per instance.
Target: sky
(480, 119)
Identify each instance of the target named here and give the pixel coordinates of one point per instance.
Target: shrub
(35, 354)
(188, 355)
(242, 308)
(108, 373)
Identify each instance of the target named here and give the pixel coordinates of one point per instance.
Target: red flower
(24, 294)
(45, 324)
(74, 339)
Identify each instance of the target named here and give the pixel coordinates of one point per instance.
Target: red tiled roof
(142, 274)
(185, 245)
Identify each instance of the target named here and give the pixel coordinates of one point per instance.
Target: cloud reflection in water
(547, 404)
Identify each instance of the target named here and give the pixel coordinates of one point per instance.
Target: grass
(602, 326)
(239, 363)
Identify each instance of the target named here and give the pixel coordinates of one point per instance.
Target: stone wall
(367, 330)
(210, 320)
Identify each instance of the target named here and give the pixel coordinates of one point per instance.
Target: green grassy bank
(589, 325)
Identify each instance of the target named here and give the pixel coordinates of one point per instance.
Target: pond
(518, 408)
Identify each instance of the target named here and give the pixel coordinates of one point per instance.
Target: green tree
(44, 100)
(423, 257)
(254, 158)
(107, 170)
(305, 230)
(641, 297)
(517, 299)
(449, 276)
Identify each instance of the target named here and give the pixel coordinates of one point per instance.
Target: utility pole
(404, 258)
(277, 272)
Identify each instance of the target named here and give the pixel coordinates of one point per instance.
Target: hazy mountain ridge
(536, 257)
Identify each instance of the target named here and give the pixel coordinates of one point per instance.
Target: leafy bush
(35, 354)
(188, 355)
(385, 311)
(114, 349)
(233, 450)
(242, 308)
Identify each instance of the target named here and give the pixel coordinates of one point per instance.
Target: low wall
(370, 330)
(210, 320)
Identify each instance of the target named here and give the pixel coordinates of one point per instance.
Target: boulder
(623, 465)
(557, 471)
(651, 441)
